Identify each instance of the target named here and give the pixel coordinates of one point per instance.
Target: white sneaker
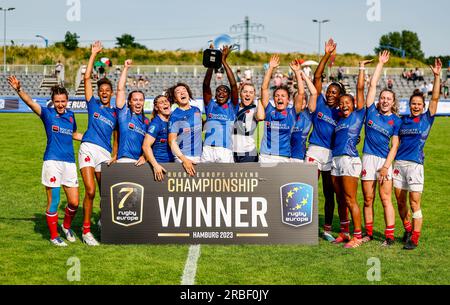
(57, 241)
(89, 239)
(70, 236)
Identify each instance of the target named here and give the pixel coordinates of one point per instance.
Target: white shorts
(295, 160)
(214, 154)
(408, 176)
(57, 173)
(321, 156)
(126, 160)
(263, 158)
(196, 160)
(92, 155)
(370, 166)
(346, 166)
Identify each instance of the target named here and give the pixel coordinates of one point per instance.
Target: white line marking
(190, 268)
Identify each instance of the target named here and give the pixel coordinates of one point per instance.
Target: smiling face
(105, 93)
(346, 105)
(222, 94)
(136, 102)
(281, 99)
(162, 106)
(416, 105)
(60, 103)
(386, 102)
(333, 93)
(181, 96)
(247, 95)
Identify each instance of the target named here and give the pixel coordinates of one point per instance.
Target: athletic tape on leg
(417, 214)
(55, 200)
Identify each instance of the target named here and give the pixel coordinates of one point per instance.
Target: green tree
(127, 41)
(405, 40)
(70, 41)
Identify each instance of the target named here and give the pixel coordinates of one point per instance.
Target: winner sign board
(223, 204)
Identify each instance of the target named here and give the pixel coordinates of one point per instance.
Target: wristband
(19, 90)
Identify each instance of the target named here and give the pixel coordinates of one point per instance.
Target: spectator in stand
(248, 76)
(340, 73)
(418, 74)
(423, 88)
(405, 74)
(59, 73)
(429, 89)
(238, 76)
(390, 83)
(445, 88)
(412, 77)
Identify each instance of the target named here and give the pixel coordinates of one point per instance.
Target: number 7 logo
(127, 201)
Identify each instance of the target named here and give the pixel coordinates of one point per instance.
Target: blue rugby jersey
(101, 124)
(59, 129)
(187, 124)
(219, 123)
(346, 134)
(132, 129)
(413, 134)
(158, 129)
(379, 129)
(324, 121)
(277, 131)
(300, 133)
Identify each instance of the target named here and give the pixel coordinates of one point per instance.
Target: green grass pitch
(27, 257)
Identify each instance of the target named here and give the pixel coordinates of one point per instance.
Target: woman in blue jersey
(303, 123)
(156, 146)
(131, 121)
(279, 120)
(247, 118)
(346, 164)
(95, 147)
(59, 161)
(324, 119)
(381, 129)
(185, 129)
(220, 115)
(408, 166)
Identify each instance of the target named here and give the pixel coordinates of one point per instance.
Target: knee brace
(55, 200)
(417, 214)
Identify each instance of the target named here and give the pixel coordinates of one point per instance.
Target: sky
(190, 24)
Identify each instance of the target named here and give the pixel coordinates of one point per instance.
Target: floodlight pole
(4, 36)
(320, 31)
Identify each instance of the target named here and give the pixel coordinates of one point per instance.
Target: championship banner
(223, 204)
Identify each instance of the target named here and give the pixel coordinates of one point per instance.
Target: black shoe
(387, 242)
(406, 236)
(410, 245)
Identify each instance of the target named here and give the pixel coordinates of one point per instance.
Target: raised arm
(298, 98)
(95, 49)
(360, 84)
(121, 86)
(207, 94)
(260, 113)
(265, 92)
(230, 76)
(15, 84)
(330, 46)
(312, 102)
(158, 170)
(383, 58)
(432, 107)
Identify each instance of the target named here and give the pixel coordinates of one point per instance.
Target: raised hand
(365, 62)
(303, 75)
(96, 47)
(274, 61)
(295, 66)
(14, 82)
(225, 52)
(330, 46)
(383, 57)
(437, 67)
(128, 63)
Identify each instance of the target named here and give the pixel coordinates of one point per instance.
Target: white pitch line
(190, 268)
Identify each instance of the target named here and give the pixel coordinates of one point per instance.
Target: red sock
(389, 232)
(345, 226)
(369, 228)
(327, 228)
(407, 225)
(52, 223)
(86, 227)
(69, 215)
(415, 237)
(357, 234)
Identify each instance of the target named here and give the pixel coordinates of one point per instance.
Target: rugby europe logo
(296, 204)
(127, 202)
